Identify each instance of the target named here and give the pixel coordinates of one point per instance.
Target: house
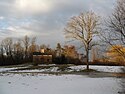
(42, 57)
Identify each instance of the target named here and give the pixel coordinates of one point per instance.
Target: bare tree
(18, 51)
(114, 34)
(116, 22)
(7, 46)
(26, 43)
(1, 50)
(33, 47)
(58, 50)
(83, 28)
(2, 54)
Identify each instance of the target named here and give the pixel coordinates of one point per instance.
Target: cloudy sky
(45, 19)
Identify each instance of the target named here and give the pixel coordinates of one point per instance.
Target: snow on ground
(52, 84)
(52, 69)
(71, 68)
(116, 69)
(6, 69)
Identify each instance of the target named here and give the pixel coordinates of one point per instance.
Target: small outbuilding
(42, 57)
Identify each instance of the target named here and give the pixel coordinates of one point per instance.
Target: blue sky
(45, 19)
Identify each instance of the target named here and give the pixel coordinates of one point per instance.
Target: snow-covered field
(24, 81)
(62, 84)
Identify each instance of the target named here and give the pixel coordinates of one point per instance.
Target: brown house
(42, 57)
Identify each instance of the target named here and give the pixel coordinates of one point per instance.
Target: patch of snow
(4, 69)
(51, 69)
(77, 68)
(116, 69)
(46, 64)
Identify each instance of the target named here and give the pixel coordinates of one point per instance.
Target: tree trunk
(3, 59)
(87, 59)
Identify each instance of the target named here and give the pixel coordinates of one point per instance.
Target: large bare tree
(83, 28)
(114, 33)
(116, 22)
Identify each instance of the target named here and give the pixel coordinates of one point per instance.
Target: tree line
(16, 52)
(19, 51)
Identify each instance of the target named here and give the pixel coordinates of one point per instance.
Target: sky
(45, 19)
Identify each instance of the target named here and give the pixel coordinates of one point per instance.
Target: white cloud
(17, 31)
(33, 6)
(1, 17)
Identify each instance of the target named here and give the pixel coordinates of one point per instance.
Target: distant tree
(114, 55)
(58, 55)
(58, 50)
(83, 28)
(32, 47)
(70, 51)
(43, 46)
(26, 43)
(7, 47)
(18, 51)
(1, 50)
(2, 60)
